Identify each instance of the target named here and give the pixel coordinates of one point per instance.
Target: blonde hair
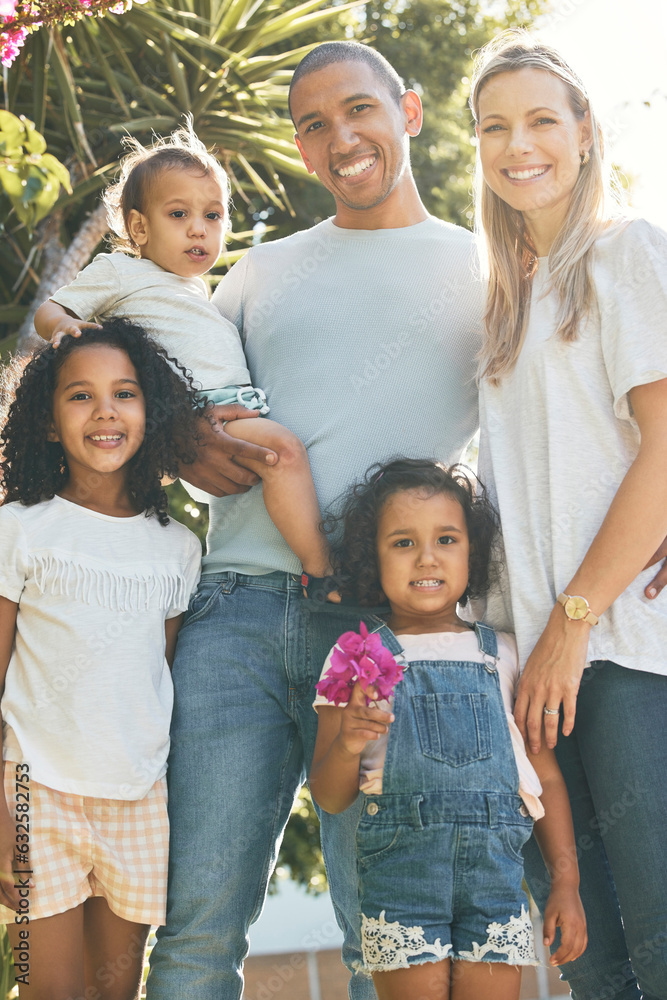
(512, 257)
(139, 169)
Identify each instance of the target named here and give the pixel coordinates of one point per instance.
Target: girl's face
(423, 551)
(99, 414)
(182, 229)
(530, 142)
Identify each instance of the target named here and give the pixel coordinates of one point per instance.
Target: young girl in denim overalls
(450, 795)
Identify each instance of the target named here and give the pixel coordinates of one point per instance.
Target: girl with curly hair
(449, 795)
(94, 581)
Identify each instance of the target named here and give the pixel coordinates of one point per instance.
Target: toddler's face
(423, 551)
(183, 226)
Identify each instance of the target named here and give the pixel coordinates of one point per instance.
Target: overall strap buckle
(488, 646)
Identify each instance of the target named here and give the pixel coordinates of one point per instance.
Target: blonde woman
(574, 446)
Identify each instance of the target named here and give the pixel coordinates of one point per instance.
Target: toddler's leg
(289, 493)
(114, 952)
(53, 951)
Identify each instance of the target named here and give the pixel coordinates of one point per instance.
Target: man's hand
(216, 469)
(660, 579)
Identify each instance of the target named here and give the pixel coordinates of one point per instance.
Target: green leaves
(30, 177)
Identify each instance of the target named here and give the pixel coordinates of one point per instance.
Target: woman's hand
(564, 910)
(552, 675)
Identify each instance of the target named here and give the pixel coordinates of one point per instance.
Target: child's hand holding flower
(362, 721)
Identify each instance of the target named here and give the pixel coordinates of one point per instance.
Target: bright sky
(620, 51)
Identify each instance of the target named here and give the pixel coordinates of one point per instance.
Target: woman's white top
(88, 693)
(558, 436)
(454, 646)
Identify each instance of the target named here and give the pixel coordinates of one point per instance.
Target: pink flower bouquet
(359, 656)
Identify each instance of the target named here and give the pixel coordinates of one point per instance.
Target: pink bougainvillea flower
(358, 656)
(19, 17)
(10, 43)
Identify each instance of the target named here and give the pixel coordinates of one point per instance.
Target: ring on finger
(550, 711)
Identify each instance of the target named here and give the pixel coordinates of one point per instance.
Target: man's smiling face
(353, 134)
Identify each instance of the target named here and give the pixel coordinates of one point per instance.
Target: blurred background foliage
(83, 86)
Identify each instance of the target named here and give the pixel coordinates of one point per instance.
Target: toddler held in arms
(168, 217)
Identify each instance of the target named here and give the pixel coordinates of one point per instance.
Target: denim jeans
(243, 733)
(615, 767)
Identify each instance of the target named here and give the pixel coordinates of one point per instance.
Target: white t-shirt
(558, 436)
(175, 310)
(88, 693)
(454, 646)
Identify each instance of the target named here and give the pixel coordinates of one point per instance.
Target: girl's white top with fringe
(88, 693)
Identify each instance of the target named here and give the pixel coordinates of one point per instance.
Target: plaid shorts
(82, 846)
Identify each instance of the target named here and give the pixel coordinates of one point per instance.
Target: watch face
(576, 608)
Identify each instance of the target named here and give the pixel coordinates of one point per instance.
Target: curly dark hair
(35, 469)
(354, 556)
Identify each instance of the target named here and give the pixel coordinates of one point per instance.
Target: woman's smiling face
(531, 143)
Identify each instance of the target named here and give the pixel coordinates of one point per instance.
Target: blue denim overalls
(439, 851)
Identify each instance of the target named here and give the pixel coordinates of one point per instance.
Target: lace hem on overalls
(387, 946)
(514, 940)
